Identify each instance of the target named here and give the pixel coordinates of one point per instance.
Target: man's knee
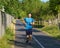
(30, 37)
(27, 36)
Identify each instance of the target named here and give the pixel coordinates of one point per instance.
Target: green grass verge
(38, 26)
(4, 42)
(52, 30)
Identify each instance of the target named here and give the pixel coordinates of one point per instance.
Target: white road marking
(38, 42)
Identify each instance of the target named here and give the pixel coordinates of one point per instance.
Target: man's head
(29, 15)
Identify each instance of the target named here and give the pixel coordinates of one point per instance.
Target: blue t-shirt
(28, 22)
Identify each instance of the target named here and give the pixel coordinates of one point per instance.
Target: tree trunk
(59, 20)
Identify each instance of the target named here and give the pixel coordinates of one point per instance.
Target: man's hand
(32, 23)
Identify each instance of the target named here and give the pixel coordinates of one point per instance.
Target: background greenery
(52, 31)
(41, 11)
(5, 41)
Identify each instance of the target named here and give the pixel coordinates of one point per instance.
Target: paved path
(40, 39)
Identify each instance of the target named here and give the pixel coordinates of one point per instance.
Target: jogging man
(29, 22)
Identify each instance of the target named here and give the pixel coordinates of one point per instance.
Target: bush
(38, 26)
(4, 42)
(53, 30)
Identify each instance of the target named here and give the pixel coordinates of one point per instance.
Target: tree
(31, 6)
(12, 7)
(54, 6)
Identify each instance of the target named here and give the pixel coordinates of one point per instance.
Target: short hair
(29, 13)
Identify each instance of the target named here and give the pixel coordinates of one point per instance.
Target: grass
(38, 26)
(4, 42)
(52, 30)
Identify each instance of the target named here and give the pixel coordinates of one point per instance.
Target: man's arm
(24, 22)
(33, 22)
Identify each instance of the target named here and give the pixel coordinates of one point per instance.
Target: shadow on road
(17, 43)
(21, 37)
(47, 41)
(22, 29)
(19, 24)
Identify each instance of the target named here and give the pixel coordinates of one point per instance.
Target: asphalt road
(40, 39)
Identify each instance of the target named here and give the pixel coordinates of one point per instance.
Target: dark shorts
(29, 32)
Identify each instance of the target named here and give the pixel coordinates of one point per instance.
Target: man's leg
(30, 39)
(27, 36)
(30, 35)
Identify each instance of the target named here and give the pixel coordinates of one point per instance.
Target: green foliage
(52, 30)
(39, 9)
(54, 6)
(11, 6)
(8, 36)
(23, 13)
(21, 8)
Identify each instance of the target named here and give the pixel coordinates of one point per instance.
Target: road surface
(40, 39)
